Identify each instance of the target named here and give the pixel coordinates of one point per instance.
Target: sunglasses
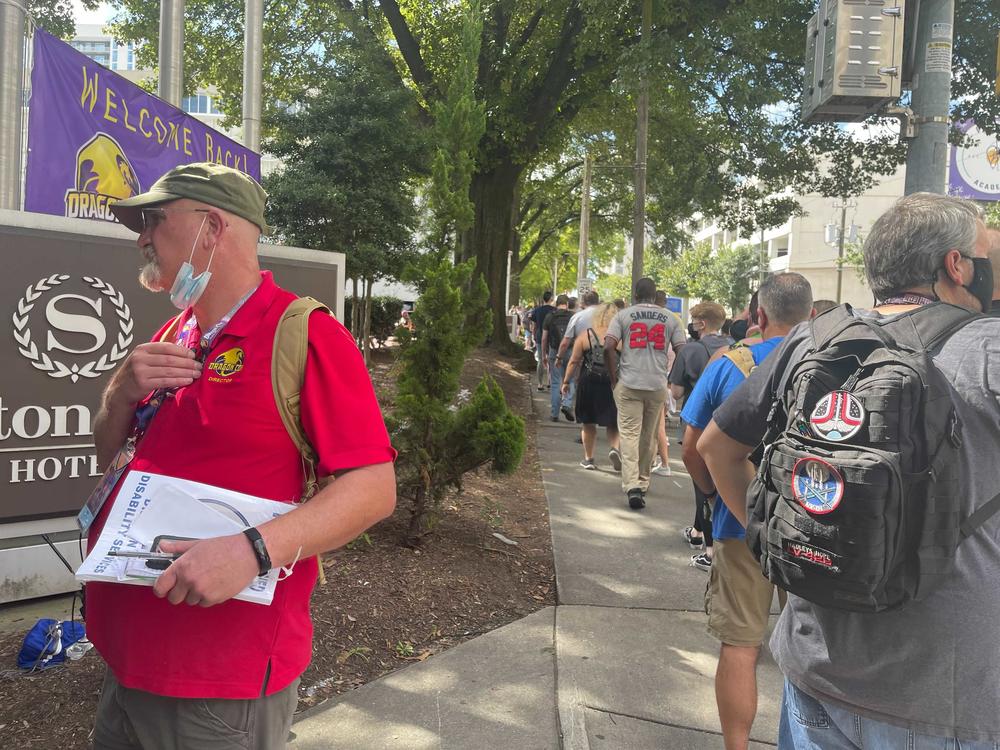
(153, 217)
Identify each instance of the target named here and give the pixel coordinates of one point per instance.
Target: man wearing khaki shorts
(645, 331)
(738, 597)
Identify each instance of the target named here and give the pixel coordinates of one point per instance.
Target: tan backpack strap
(742, 357)
(170, 332)
(288, 367)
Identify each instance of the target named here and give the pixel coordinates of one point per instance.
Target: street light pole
(253, 65)
(170, 87)
(581, 264)
(845, 203)
(639, 225)
(12, 24)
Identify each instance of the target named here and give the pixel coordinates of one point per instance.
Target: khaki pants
(136, 720)
(638, 424)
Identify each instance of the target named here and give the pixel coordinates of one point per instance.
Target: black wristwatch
(259, 550)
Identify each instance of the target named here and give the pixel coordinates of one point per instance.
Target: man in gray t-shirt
(907, 677)
(639, 380)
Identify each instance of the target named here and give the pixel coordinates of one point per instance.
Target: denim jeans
(556, 372)
(809, 724)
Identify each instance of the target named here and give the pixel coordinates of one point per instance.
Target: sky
(101, 15)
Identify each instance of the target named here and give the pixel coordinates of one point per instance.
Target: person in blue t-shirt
(738, 597)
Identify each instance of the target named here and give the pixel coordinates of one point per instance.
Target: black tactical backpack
(856, 503)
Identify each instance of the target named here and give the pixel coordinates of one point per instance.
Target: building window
(199, 105)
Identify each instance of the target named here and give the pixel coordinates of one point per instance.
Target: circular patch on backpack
(837, 417)
(817, 485)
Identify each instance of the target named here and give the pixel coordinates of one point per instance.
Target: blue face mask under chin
(188, 288)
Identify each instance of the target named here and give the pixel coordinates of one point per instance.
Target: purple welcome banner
(95, 137)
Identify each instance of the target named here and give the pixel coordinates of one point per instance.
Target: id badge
(106, 486)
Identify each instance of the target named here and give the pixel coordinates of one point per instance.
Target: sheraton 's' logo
(74, 325)
(103, 177)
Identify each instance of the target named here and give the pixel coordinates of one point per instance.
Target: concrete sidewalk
(623, 661)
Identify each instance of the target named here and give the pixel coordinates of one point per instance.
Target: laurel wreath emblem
(53, 367)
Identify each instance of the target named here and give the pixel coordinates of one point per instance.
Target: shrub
(442, 434)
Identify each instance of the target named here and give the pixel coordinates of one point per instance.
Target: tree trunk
(418, 511)
(493, 195)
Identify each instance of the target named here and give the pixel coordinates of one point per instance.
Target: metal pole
(840, 248)
(763, 259)
(581, 264)
(171, 51)
(555, 275)
(12, 38)
(506, 295)
(639, 225)
(927, 158)
(253, 66)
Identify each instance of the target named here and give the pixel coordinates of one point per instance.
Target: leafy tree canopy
(56, 16)
(350, 166)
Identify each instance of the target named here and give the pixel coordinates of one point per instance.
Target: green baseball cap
(205, 182)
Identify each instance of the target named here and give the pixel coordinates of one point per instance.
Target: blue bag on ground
(46, 643)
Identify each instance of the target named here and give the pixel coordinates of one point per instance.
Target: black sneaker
(701, 561)
(636, 499)
(568, 413)
(555, 418)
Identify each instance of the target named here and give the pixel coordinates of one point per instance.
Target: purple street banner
(975, 168)
(95, 138)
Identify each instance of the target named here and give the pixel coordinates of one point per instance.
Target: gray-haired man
(907, 677)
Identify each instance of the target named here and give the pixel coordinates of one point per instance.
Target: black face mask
(981, 286)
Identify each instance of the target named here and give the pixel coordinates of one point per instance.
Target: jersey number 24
(642, 336)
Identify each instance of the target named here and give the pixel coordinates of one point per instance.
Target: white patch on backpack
(837, 417)
(817, 485)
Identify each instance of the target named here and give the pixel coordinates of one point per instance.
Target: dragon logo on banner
(104, 176)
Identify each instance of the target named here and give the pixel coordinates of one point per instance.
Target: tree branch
(492, 43)
(360, 26)
(526, 33)
(409, 47)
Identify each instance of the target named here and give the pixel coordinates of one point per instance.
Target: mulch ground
(383, 607)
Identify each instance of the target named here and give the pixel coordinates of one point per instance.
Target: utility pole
(12, 40)
(581, 265)
(927, 158)
(639, 225)
(845, 203)
(763, 260)
(253, 66)
(170, 87)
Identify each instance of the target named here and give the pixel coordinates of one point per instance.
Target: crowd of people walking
(822, 478)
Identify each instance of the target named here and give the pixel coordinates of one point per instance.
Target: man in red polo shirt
(189, 666)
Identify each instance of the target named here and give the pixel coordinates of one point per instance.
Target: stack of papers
(150, 505)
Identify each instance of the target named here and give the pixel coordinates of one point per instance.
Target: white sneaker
(661, 469)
